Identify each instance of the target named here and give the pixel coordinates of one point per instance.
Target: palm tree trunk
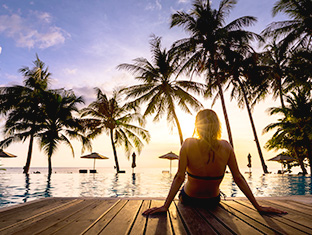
(309, 150)
(281, 93)
(30, 147)
(114, 150)
(300, 160)
(49, 165)
(178, 126)
(227, 122)
(228, 128)
(264, 166)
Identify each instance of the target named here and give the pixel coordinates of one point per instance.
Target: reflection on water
(19, 188)
(27, 184)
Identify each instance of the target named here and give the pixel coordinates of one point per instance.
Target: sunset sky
(82, 42)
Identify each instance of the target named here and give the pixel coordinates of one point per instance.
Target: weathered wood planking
(124, 216)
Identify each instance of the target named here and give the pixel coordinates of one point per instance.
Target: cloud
(43, 16)
(70, 71)
(36, 30)
(154, 6)
(0, 49)
(182, 1)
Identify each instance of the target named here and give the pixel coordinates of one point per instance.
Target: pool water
(16, 187)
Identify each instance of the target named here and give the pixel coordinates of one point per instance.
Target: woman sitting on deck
(204, 159)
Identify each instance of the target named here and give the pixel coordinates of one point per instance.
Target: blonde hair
(208, 128)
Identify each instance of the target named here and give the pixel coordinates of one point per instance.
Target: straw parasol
(282, 158)
(171, 156)
(6, 155)
(94, 156)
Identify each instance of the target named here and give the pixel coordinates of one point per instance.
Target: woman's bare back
(204, 163)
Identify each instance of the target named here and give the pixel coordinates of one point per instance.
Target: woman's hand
(270, 210)
(154, 210)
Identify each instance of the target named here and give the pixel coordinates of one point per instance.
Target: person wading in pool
(204, 159)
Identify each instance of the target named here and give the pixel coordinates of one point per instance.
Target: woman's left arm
(176, 183)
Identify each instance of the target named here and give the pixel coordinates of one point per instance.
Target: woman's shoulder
(191, 140)
(225, 144)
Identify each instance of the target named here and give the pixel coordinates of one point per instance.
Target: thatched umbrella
(171, 156)
(6, 154)
(282, 158)
(94, 156)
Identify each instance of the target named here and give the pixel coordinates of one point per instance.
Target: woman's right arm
(244, 187)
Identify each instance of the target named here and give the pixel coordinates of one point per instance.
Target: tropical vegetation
(160, 88)
(110, 116)
(221, 53)
(22, 106)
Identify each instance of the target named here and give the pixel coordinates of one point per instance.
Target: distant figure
(249, 163)
(133, 165)
(204, 159)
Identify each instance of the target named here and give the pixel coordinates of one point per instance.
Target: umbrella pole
(170, 166)
(94, 164)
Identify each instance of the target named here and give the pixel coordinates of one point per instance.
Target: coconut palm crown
(160, 88)
(109, 116)
(210, 40)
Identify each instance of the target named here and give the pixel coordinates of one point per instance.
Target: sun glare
(187, 124)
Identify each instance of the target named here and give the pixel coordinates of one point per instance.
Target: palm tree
(295, 128)
(60, 124)
(275, 62)
(107, 115)
(23, 106)
(210, 39)
(244, 76)
(296, 32)
(286, 138)
(160, 87)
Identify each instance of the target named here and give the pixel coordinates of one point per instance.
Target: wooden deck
(124, 216)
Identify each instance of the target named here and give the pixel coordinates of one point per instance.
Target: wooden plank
(232, 222)
(37, 217)
(159, 223)
(97, 226)
(195, 224)
(27, 210)
(299, 204)
(264, 223)
(32, 227)
(290, 206)
(177, 224)
(123, 221)
(138, 227)
(79, 221)
(216, 224)
(290, 222)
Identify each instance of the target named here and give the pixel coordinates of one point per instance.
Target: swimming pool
(67, 182)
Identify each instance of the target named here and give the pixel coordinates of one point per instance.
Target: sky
(82, 43)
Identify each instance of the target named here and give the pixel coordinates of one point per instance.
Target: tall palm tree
(296, 32)
(295, 127)
(60, 124)
(160, 87)
(210, 38)
(275, 62)
(109, 116)
(244, 76)
(23, 106)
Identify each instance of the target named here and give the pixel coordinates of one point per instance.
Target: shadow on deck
(124, 216)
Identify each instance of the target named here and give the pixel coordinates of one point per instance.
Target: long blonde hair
(208, 128)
